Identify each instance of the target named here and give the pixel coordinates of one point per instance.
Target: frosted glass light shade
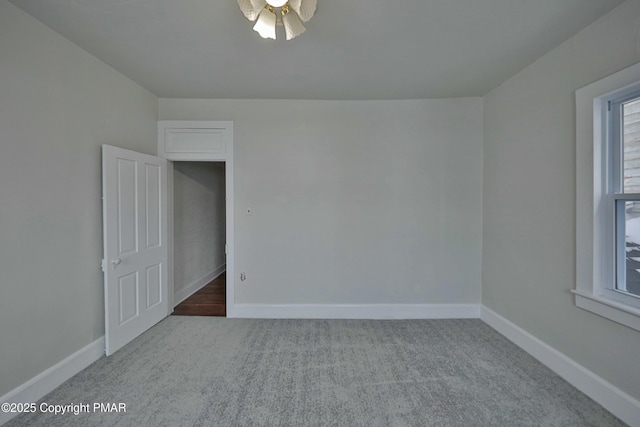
(266, 24)
(264, 13)
(277, 3)
(251, 8)
(292, 25)
(304, 8)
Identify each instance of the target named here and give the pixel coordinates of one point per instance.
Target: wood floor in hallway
(208, 301)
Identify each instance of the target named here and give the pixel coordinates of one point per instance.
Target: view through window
(630, 135)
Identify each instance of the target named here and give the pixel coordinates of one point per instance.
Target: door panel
(128, 297)
(135, 248)
(153, 199)
(154, 285)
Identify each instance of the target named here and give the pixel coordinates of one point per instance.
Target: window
(608, 197)
(623, 193)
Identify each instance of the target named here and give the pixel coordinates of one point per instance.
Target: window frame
(596, 263)
(616, 196)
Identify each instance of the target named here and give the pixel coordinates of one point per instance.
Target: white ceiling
(353, 49)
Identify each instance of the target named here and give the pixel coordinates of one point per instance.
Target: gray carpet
(205, 371)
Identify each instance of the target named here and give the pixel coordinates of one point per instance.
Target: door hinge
(102, 265)
(226, 248)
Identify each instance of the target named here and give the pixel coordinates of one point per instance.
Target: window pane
(631, 135)
(628, 232)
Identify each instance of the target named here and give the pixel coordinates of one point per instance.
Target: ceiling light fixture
(292, 14)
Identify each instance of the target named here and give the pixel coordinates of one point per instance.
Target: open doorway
(186, 141)
(199, 238)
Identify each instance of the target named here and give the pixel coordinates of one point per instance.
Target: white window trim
(593, 246)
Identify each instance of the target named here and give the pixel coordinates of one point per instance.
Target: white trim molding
(190, 140)
(205, 141)
(612, 310)
(196, 285)
(595, 245)
(356, 311)
(47, 381)
(606, 394)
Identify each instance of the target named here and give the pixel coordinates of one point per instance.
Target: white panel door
(134, 193)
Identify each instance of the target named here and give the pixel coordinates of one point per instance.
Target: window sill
(612, 310)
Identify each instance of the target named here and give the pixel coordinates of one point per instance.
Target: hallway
(208, 301)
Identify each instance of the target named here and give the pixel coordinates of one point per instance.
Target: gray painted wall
(353, 202)
(58, 105)
(529, 199)
(198, 221)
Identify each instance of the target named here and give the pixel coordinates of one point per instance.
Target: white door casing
(202, 141)
(134, 192)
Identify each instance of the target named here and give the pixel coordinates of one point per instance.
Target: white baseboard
(355, 311)
(606, 394)
(195, 286)
(47, 381)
